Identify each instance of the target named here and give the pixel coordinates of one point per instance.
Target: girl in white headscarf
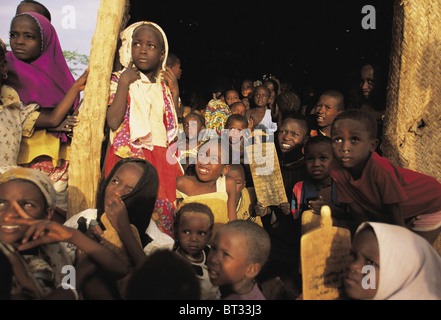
(142, 115)
(391, 262)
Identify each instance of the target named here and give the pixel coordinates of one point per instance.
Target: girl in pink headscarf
(38, 71)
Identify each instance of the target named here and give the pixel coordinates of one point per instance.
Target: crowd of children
(177, 213)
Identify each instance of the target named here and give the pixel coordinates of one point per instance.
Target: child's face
(246, 88)
(209, 166)
(147, 49)
(123, 181)
(239, 108)
(261, 97)
(194, 232)
(367, 81)
(326, 110)
(239, 178)
(192, 127)
(29, 198)
(292, 134)
(364, 252)
(352, 144)
(235, 131)
(228, 259)
(231, 97)
(25, 39)
(317, 160)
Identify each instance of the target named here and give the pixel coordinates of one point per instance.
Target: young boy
(329, 105)
(231, 96)
(373, 187)
(240, 250)
(246, 197)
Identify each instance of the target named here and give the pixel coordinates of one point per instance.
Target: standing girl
(39, 73)
(142, 115)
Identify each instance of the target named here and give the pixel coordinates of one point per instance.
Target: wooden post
(85, 154)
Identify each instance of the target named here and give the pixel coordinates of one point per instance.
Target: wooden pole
(85, 154)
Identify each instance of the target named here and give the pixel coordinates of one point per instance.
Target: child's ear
(252, 270)
(226, 169)
(374, 145)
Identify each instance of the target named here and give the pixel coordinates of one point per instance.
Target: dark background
(305, 43)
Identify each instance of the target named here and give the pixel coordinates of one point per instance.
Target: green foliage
(76, 62)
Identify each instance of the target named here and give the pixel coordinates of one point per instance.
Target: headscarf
(47, 79)
(37, 177)
(140, 91)
(140, 202)
(410, 268)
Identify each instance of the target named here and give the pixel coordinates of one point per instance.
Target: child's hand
(117, 214)
(316, 205)
(131, 74)
(285, 207)
(80, 83)
(67, 125)
(39, 231)
(260, 209)
(171, 80)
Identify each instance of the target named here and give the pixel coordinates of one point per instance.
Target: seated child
(373, 187)
(210, 185)
(330, 104)
(193, 226)
(231, 96)
(404, 266)
(239, 251)
(246, 198)
(27, 199)
(318, 189)
(260, 114)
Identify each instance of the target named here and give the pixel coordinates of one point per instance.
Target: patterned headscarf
(38, 178)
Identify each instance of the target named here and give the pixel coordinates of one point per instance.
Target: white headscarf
(141, 90)
(410, 269)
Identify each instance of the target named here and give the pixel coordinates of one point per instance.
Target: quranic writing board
(324, 258)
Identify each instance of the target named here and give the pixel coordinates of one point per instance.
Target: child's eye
(202, 233)
(26, 204)
(355, 139)
(323, 158)
(338, 140)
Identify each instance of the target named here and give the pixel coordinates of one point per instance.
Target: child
(238, 108)
(193, 226)
(193, 125)
(231, 96)
(246, 198)
(211, 185)
(284, 230)
(287, 102)
(329, 105)
(36, 67)
(374, 188)
(404, 266)
(27, 200)
(236, 127)
(163, 276)
(260, 114)
(318, 189)
(246, 88)
(240, 250)
(142, 115)
(33, 6)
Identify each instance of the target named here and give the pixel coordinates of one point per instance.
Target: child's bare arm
(50, 118)
(232, 194)
(394, 212)
(116, 111)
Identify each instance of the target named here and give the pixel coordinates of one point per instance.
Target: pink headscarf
(45, 80)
